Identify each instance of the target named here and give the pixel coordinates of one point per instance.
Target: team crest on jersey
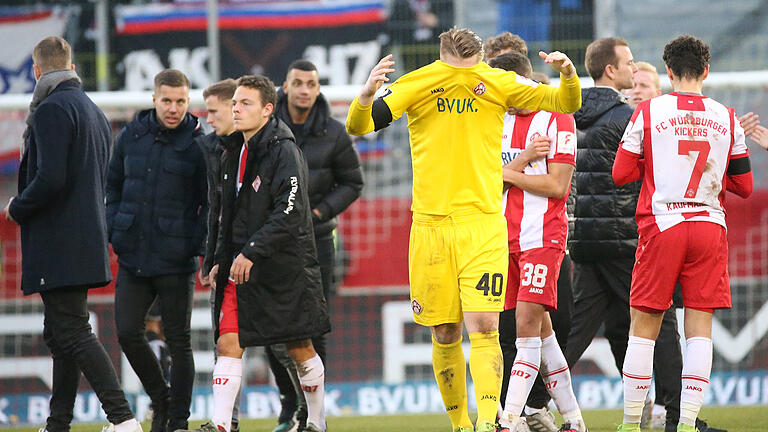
(534, 136)
(479, 89)
(256, 184)
(416, 307)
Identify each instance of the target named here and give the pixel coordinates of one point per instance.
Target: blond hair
(52, 53)
(461, 43)
(645, 66)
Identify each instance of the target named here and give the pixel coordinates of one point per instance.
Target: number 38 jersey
(535, 221)
(687, 141)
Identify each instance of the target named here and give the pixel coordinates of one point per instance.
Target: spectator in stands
(60, 209)
(156, 213)
(335, 182)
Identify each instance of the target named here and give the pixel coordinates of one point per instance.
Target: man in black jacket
(268, 290)
(335, 182)
(218, 104)
(156, 213)
(60, 210)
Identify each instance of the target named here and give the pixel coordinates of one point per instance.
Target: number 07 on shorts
(457, 265)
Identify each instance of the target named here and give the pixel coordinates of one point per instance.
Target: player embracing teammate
(689, 150)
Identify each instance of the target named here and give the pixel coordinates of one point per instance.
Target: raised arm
(359, 118)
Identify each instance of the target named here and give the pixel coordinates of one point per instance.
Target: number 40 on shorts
(493, 284)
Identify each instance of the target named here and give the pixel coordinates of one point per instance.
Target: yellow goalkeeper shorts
(457, 264)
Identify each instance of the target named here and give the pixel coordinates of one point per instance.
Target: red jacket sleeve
(627, 167)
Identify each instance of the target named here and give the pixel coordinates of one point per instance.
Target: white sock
(637, 374)
(312, 380)
(131, 425)
(696, 369)
(557, 377)
(227, 375)
(525, 369)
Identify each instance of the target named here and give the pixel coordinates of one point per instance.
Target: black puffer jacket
(335, 176)
(157, 196)
(212, 146)
(605, 225)
(269, 222)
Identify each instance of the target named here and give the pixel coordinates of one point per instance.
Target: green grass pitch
(734, 419)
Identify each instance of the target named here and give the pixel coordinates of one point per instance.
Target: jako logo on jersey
(386, 93)
(292, 194)
(416, 307)
(457, 106)
(536, 291)
(438, 90)
(645, 387)
(698, 389)
(479, 89)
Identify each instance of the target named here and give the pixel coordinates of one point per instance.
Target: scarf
(45, 85)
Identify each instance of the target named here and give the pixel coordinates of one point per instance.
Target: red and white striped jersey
(687, 141)
(535, 221)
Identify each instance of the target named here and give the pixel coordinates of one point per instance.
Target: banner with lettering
(342, 37)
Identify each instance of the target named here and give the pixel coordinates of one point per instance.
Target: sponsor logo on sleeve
(566, 142)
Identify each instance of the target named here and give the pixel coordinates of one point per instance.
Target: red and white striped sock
(696, 369)
(637, 373)
(525, 369)
(557, 377)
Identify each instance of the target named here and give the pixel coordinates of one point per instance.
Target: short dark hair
(687, 56)
(264, 85)
(601, 53)
(514, 62)
(302, 65)
(52, 53)
(504, 41)
(224, 90)
(171, 78)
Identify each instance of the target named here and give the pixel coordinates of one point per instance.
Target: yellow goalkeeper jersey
(455, 122)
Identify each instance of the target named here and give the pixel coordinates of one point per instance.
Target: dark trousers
(133, 297)
(601, 291)
(291, 395)
(561, 323)
(75, 348)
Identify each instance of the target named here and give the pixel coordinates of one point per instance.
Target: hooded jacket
(605, 225)
(335, 175)
(157, 196)
(269, 222)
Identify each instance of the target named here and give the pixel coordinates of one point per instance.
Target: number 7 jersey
(687, 141)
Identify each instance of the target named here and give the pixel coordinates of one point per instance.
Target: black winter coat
(60, 202)
(269, 222)
(605, 225)
(335, 175)
(157, 200)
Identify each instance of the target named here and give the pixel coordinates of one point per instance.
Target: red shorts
(228, 315)
(533, 277)
(693, 253)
